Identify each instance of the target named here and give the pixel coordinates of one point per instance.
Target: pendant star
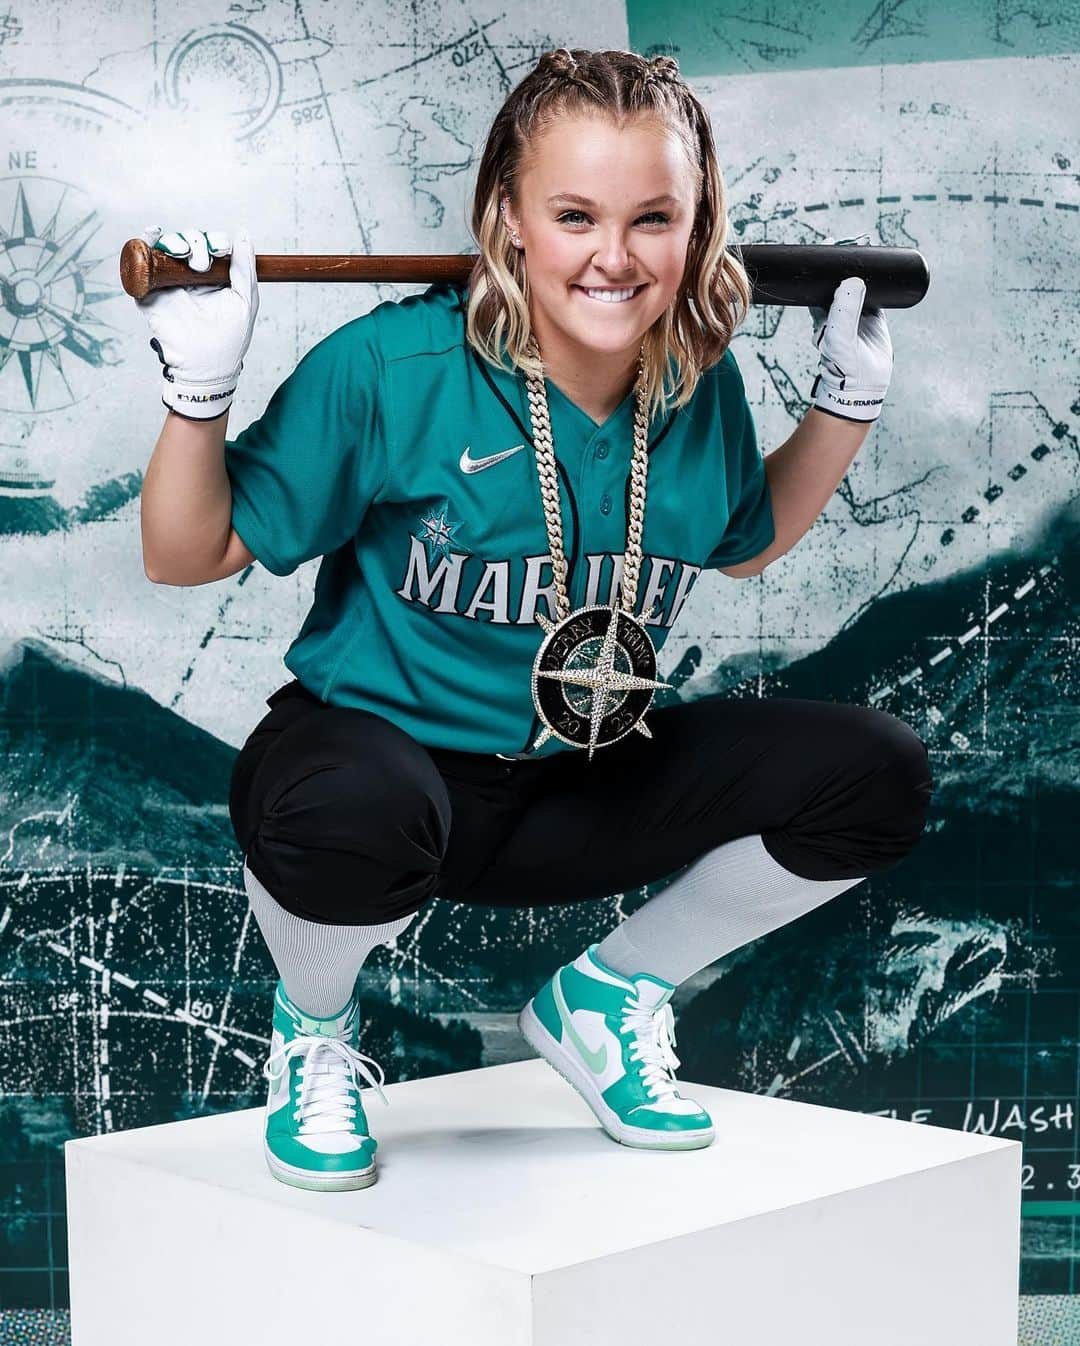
(604, 679)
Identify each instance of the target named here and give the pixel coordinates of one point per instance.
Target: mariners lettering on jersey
(509, 592)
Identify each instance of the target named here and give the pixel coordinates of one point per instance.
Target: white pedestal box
(504, 1216)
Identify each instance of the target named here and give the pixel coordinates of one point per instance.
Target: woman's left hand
(856, 351)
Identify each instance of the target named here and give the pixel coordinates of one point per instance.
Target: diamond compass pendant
(594, 677)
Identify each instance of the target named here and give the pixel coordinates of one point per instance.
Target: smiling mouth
(613, 303)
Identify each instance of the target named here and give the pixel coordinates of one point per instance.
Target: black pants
(345, 818)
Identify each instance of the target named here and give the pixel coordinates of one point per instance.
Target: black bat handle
(809, 273)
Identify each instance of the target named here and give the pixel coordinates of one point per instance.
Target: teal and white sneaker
(316, 1131)
(612, 1037)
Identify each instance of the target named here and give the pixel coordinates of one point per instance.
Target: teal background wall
(938, 584)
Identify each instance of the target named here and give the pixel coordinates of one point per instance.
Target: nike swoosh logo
(468, 464)
(596, 1061)
(278, 1090)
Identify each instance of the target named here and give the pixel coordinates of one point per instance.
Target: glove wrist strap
(850, 403)
(203, 401)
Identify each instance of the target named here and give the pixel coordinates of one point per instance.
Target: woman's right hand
(201, 332)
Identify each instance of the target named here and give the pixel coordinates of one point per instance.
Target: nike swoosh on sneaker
(278, 1089)
(596, 1061)
(468, 464)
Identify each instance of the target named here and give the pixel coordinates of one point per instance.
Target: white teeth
(612, 296)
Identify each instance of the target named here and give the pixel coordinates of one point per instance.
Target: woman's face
(616, 242)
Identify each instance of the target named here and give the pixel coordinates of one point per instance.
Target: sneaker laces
(329, 1088)
(653, 1046)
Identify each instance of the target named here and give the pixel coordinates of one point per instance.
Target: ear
(508, 223)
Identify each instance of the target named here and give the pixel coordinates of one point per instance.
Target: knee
(900, 779)
(867, 807)
(350, 842)
(902, 756)
(358, 806)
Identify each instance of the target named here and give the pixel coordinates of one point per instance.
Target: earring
(513, 236)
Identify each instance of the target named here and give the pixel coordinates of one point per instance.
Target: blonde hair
(697, 327)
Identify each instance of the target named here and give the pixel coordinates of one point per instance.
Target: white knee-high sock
(726, 898)
(317, 963)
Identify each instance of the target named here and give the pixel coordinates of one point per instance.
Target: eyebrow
(584, 200)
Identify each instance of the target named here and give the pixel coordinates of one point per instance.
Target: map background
(331, 127)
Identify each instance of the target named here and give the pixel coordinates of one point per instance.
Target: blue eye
(652, 215)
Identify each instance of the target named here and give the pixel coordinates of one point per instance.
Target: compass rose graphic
(47, 299)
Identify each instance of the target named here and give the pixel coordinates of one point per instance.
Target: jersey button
(605, 503)
(601, 450)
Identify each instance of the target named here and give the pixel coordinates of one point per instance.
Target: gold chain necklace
(594, 675)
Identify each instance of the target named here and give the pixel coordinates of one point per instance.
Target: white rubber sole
(641, 1138)
(318, 1182)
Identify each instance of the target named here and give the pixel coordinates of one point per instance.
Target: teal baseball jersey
(404, 459)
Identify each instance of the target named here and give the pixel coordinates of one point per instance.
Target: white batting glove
(856, 351)
(202, 332)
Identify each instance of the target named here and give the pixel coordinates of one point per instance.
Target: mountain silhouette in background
(28, 506)
(1012, 695)
(104, 772)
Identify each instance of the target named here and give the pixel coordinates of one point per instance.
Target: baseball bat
(779, 273)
